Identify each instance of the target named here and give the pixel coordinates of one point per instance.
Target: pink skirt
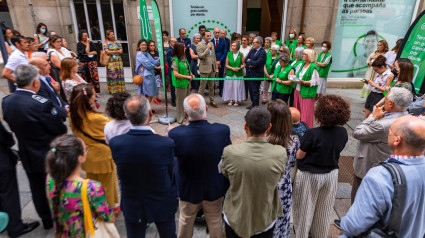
(306, 107)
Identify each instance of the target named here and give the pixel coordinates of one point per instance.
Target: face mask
(324, 48)
(291, 36)
(43, 31)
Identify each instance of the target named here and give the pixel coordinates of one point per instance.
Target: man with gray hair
(255, 61)
(372, 134)
(35, 122)
(199, 147)
(145, 162)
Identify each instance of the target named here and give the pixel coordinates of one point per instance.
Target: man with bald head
(298, 127)
(373, 203)
(199, 147)
(145, 162)
(49, 89)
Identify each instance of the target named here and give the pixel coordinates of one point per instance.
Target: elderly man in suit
(207, 65)
(145, 163)
(255, 61)
(372, 134)
(35, 122)
(199, 147)
(252, 202)
(46, 89)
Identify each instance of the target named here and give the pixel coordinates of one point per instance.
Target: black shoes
(27, 227)
(47, 224)
(173, 104)
(337, 223)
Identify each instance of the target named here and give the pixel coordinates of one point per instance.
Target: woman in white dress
(234, 90)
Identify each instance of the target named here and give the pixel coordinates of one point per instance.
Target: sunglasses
(280, 50)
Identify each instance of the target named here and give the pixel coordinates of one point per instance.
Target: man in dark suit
(220, 48)
(199, 147)
(255, 61)
(186, 41)
(145, 164)
(169, 55)
(46, 89)
(9, 193)
(223, 34)
(35, 122)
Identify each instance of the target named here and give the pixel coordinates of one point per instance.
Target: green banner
(145, 27)
(159, 43)
(413, 48)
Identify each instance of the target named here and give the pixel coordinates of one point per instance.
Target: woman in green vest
(300, 43)
(305, 91)
(234, 90)
(323, 62)
(282, 86)
(271, 62)
(180, 76)
(275, 41)
(291, 42)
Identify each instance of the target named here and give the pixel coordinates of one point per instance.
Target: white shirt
(390, 55)
(244, 51)
(15, 59)
(116, 128)
(65, 53)
(314, 78)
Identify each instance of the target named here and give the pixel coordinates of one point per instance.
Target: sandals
(230, 103)
(236, 104)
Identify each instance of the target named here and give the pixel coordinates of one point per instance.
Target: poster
(190, 14)
(413, 48)
(360, 24)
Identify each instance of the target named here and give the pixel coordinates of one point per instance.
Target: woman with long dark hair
(41, 37)
(180, 76)
(89, 125)
(153, 51)
(63, 186)
(87, 55)
(281, 134)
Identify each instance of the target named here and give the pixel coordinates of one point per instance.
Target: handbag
(99, 228)
(104, 58)
(138, 79)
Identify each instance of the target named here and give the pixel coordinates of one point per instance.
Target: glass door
(98, 16)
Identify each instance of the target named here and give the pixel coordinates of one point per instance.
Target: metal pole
(12, 87)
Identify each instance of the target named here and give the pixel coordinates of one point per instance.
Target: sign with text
(413, 48)
(360, 24)
(190, 14)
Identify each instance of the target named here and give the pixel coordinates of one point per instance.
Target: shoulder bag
(99, 228)
(104, 58)
(138, 79)
(392, 228)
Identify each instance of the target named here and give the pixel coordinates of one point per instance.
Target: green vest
(180, 83)
(282, 75)
(301, 63)
(270, 62)
(278, 43)
(292, 48)
(305, 90)
(323, 71)
(288, 42)
(234, 64)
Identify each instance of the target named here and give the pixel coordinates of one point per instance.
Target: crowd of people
(285, 167)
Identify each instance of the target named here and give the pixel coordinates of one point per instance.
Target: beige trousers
(181, 94)
(212, 211)
(211, 86)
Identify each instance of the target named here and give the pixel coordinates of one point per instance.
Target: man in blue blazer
(199, 147)
(145, 164)
(46, 90)
(255, 61)
(220, 47)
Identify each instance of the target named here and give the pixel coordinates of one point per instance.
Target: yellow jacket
(99, 158)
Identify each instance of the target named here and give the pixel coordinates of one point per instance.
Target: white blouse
(244, 51)
(65, 53)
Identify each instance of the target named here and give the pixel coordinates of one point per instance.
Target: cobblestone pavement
(232, 116)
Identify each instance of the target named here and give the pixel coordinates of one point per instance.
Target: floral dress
(285, 191)
(71, 206)
(114, 69)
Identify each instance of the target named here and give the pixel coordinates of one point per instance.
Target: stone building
(66, 17)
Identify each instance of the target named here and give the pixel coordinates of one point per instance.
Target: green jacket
(234, 64)
(180, 83)
(307, 91)
(323, 71)
(282, 75)
(270, 62)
